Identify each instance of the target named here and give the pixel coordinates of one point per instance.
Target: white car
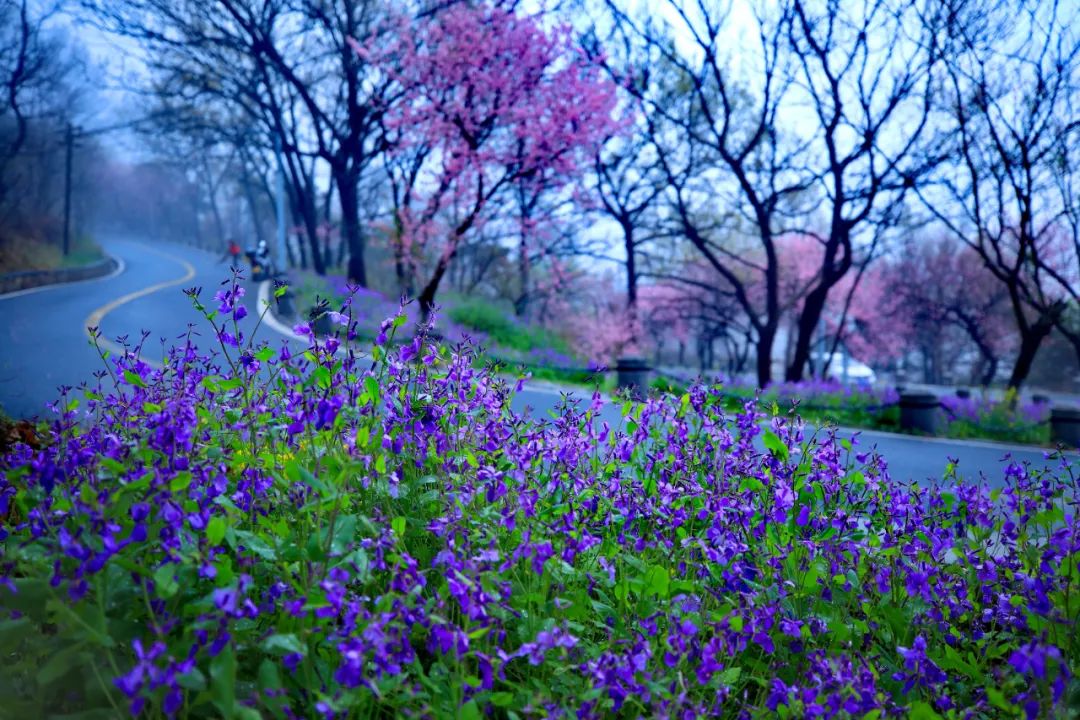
(855, 371)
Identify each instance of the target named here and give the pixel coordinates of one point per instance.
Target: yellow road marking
(94, 319)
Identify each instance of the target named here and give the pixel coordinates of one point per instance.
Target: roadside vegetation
(26, 253)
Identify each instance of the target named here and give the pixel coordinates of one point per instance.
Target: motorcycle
(262, 266)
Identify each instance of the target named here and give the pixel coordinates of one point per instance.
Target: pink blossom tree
(939, 286)
(861, 312)
(494, 98)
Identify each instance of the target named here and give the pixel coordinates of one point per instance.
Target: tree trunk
(427, 295)
(301, 196)
(521, 304)
(991, 370)
(219, 224)
(350, 227)
(1031, 339)
(766, 339)
(305, 207)
(250, 197)
(631, 265)
(401, 265)
(813, 306)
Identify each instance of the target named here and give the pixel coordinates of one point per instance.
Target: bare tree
(866, 70)
(719, 141)
(628, 184)
(32, 70)
(286, 64)
(1012, 72)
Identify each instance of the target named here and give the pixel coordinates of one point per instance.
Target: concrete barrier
(12, 282)
(632, 374)
(1065, 426)
(919, 412)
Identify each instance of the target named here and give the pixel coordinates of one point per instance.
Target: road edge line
(270, 319)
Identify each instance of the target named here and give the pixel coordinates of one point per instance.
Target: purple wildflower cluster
(985, 410)
(329, 535)
(828, 393)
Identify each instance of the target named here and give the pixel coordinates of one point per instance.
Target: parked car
(855, 371)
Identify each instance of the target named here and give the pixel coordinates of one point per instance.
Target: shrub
(253, 533)
(20, 253)
(1007, 419)
(503, 329)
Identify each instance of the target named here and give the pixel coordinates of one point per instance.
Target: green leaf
(283, 644)
(398, 526)
(344, 534)
(997, 699)
(256, 544)
(29, 597)
(469, 711)
(775, 445)
(116, 468)
(265, 354)
(215, 530)
(730, 676)
(223, 681)
(133, 378)
(921, 710)
(371, 387)
(165, 581)
(657, 581)
(181, 482)
(13, 633)
(193, 680)
(322, 377)
(60, 664)
(502, 699)
(269, 678)
(751, 483)
(230, 384)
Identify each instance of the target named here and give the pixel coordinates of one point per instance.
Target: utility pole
(69, 141)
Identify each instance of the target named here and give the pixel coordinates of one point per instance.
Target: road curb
(39, 280)
(972, 442)
(265, 300)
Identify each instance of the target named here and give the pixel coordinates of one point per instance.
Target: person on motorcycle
(261, 265)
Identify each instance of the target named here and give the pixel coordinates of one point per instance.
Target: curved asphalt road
(44, 344)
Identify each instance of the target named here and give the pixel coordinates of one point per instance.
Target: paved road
(43, 344)
(43, 340)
